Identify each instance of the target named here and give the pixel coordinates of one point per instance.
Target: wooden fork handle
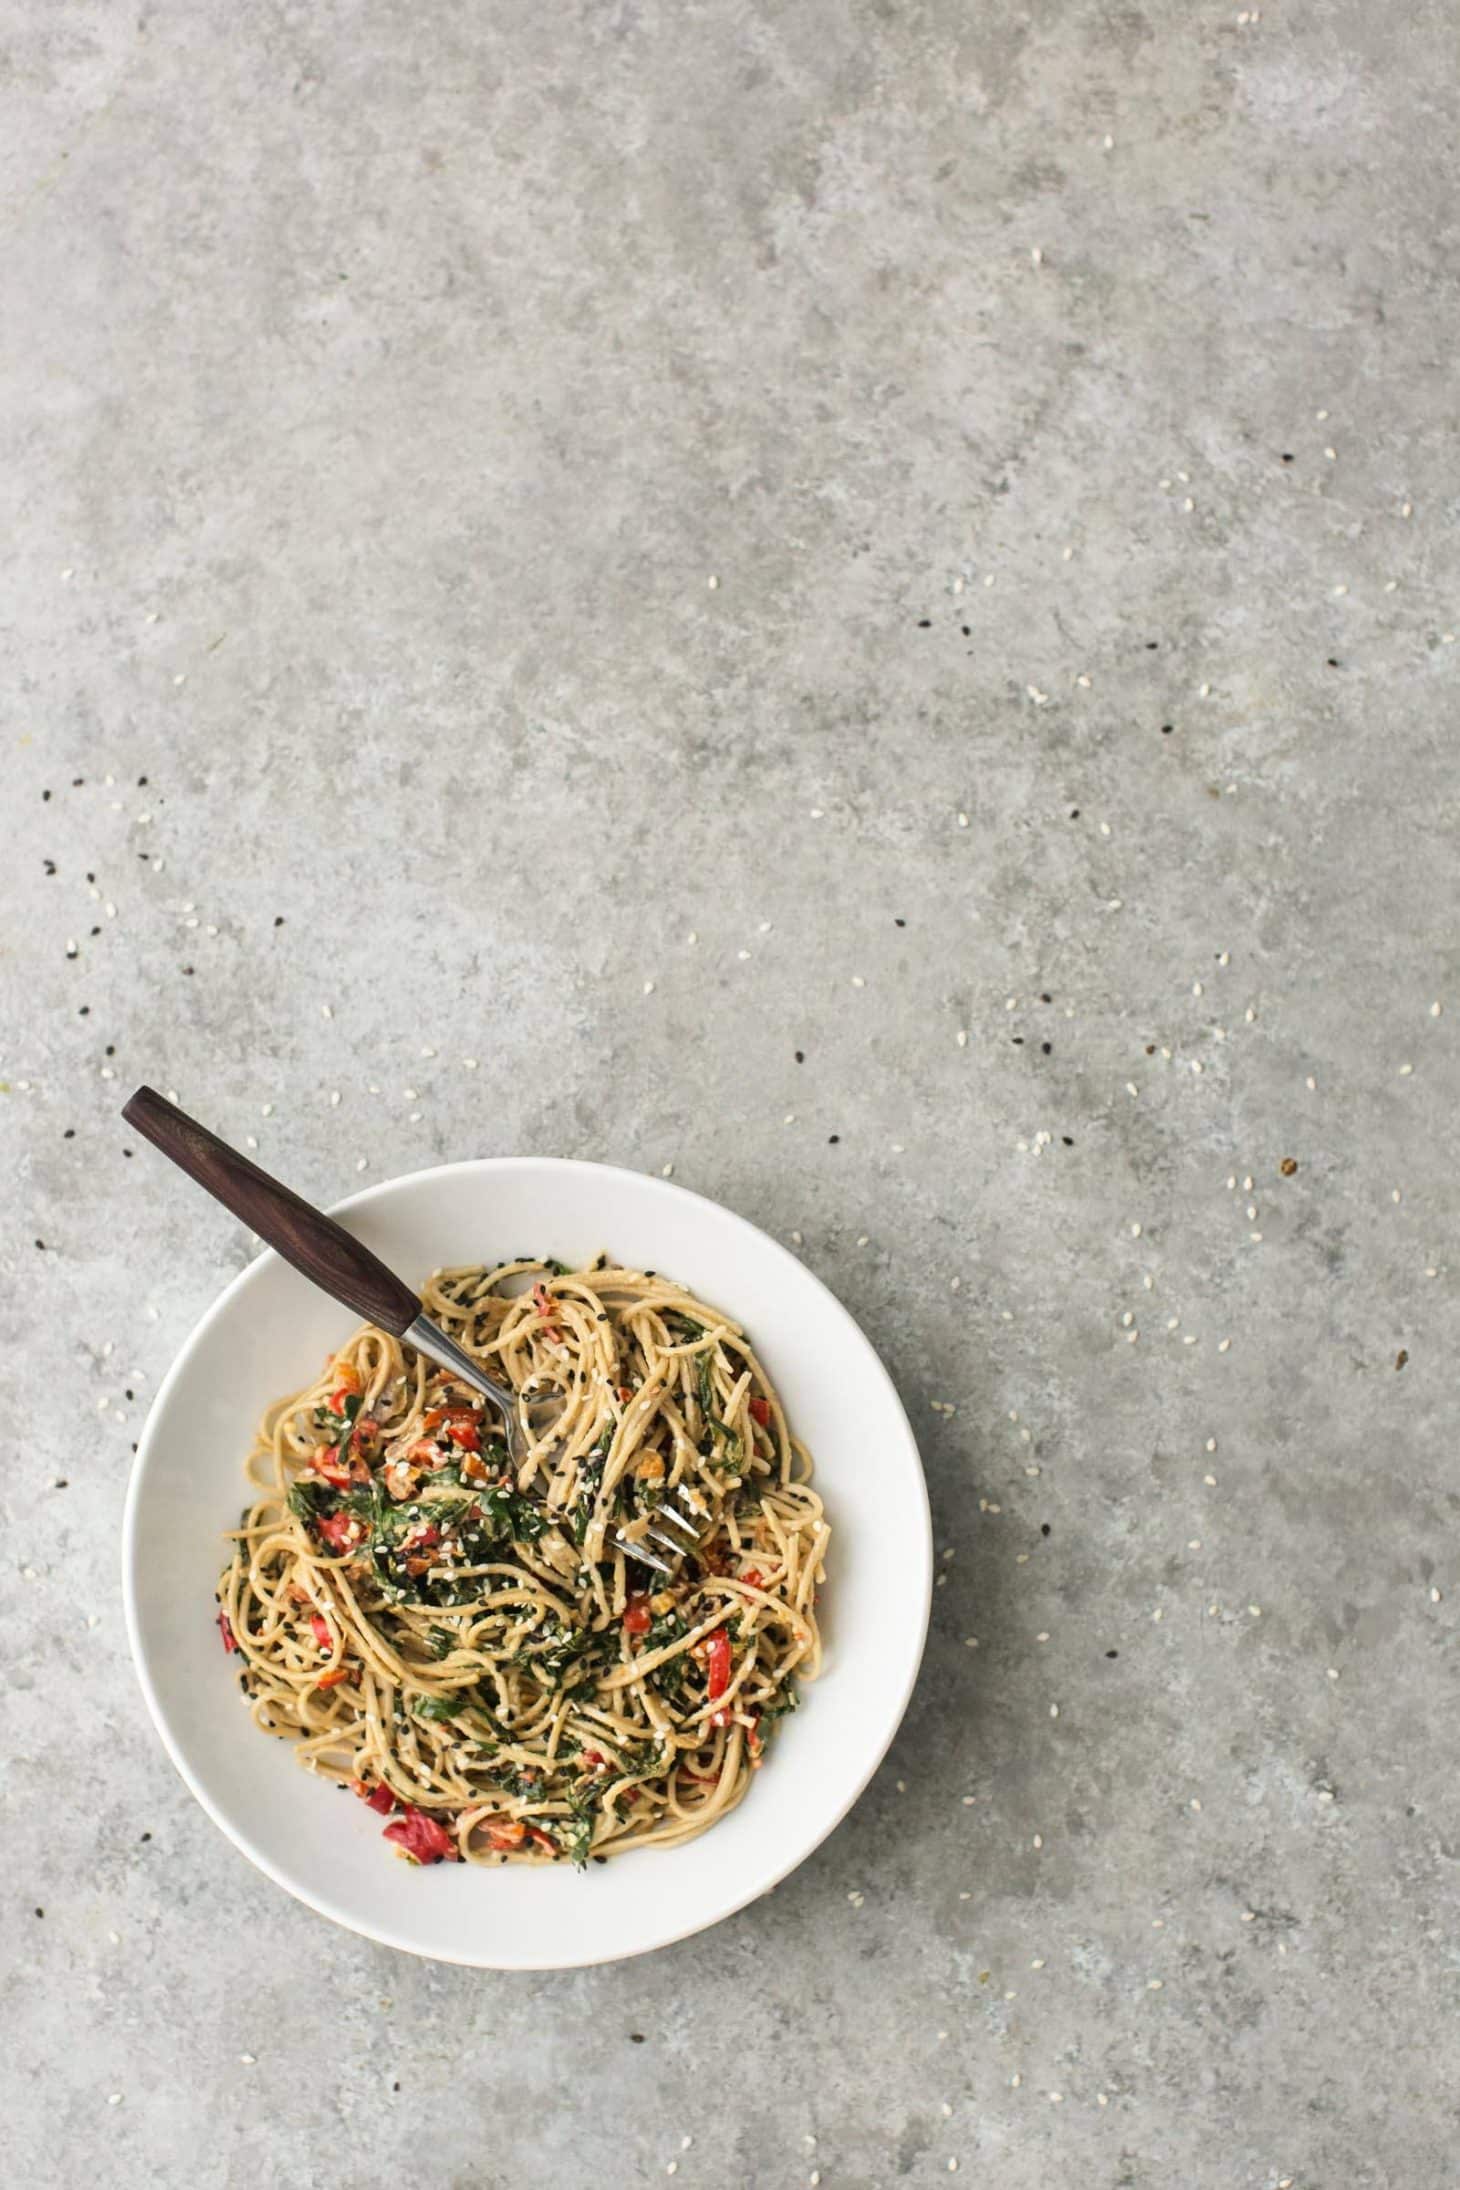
(303, 1235)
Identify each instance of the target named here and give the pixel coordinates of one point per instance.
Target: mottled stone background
(891, 523)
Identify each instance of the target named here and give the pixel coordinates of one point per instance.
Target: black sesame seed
(49, 865)
(76, 782)
(126, 1151)
(636, 2037)
(278, 920)
(40, 1912)
(832, 1139)
(1046, 1047)
(1286, 458)
(1067, 1141)
(1112, 1653)
(62, 1482)
(147, 1836)
(1045, 997)
(187, 969)
(96, 931)
(42, 1245)
(111, 1049)
(925, 623)
(1151, 645)
(69, 1134)
(899, 923)
(141, 783)
(1044, 1528)
(91, 878)
(800, 1056)
(1167, 728)
(45, 795)
(83, 1011)
(1074, 813)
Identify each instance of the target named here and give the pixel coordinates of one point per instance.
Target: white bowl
(267, 1335)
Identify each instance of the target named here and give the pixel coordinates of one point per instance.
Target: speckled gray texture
(531, 485)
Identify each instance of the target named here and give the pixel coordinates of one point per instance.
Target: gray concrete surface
(954, 508)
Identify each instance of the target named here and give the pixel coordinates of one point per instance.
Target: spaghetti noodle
(469, 1645)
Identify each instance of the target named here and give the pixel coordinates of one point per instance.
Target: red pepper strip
(594, 1759)
(760, 1411)
(544, 1840)
(510, 1834)
(753, 1578)
(637, 1617)
(422, 1837)
(335, 1675)
(230, 1640)
(322, 1635)
(546, 1307)
(379, 1799)
(717, 1662)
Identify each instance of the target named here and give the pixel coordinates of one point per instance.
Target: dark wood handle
(303, 1235)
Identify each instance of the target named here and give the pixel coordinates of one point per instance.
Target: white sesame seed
(648, 988)
(334, 1098)
(713, 584)
(963, 821)
(692, 937)
(1135, 1231)
(114, 2098)
(250, 1140)
(1155, 1984)
(361, 1162)
(1405, 1071)
(862, 1239)
(326, 1011)
(962, 1037)
(795, 1239)
(742, 954)
(667, 1172)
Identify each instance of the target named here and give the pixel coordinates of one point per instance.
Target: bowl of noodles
(555, 1708)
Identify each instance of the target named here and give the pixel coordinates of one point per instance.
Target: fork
(342, 1266)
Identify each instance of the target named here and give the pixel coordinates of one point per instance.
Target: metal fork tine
(644, 1556)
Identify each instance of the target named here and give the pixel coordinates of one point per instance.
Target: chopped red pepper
(333, 1677)
(230, 1640)
(760, 1411)
(460, 1425)
(637, 1617)
(322, 1635)
(594, 1759)
(378, 1798)
(753, 1577)
(422, 1837)
(717, 1662)
(341, 1531)
(544, 1840)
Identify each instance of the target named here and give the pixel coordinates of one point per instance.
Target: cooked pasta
(482, 1651)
